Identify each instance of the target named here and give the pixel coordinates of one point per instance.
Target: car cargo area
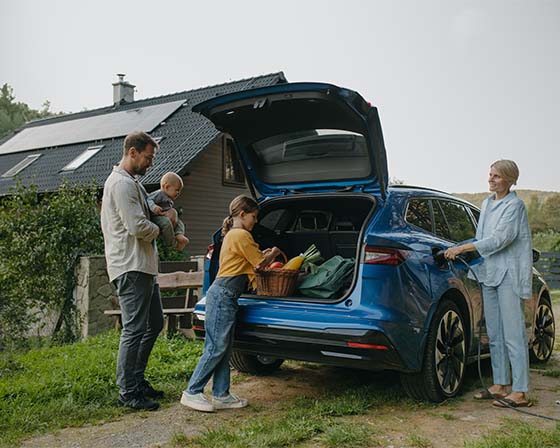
(332, 222)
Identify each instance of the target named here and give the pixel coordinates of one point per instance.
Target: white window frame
(82, 158)
(21, 165)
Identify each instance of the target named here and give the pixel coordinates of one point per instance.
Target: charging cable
(501, 401)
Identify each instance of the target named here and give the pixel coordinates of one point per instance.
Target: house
(83, 147)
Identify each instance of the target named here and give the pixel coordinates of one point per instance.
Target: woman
(503, 239)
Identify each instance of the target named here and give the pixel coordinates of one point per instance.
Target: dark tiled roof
(185, 134)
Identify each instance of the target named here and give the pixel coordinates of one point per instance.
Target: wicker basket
(276, 281)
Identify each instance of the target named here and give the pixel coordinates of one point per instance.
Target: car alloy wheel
(449, 352)
(544, 331)
(445, 357)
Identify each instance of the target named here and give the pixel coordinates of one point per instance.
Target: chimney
(123, 91)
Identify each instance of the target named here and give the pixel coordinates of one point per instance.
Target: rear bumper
(363, 349)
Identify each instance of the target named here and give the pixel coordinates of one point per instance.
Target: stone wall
(94, 294)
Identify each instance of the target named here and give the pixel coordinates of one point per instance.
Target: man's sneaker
(229, 402)
(138, 403)
(149, 392)
(197, 401)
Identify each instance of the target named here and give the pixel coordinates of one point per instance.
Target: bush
(546, 241)
(41, 238)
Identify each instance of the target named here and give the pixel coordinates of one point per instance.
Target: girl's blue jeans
(221, 310)
(505, 324)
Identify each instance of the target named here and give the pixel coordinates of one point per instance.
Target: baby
(172, 229)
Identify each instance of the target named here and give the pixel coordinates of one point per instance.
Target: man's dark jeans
(142, 319)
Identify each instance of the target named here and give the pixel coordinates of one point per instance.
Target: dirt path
(447, 425)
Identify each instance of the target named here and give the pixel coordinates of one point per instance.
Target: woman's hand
(453, 252)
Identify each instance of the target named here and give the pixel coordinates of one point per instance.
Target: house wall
(205, 199)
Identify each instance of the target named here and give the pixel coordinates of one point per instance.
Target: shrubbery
(544, 219)
(41, 238)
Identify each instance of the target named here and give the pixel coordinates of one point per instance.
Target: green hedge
(41, 238)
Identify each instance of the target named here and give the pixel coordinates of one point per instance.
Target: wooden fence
(549, 266)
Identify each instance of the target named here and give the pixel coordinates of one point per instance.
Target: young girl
(239, 256)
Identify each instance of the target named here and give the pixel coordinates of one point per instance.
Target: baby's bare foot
(182, 241)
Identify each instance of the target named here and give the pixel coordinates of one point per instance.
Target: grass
(54, 387)
(418, 441)
(518, 434)
(348, 435)
(60, 386)
(320, 420)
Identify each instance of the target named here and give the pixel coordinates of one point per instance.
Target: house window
(82, 158)
(232, 171)
(21, 165)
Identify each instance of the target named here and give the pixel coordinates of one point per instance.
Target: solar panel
(109, 125)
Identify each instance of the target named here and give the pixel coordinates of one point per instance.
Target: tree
(14, 114)
(537, 219)
(41, 238)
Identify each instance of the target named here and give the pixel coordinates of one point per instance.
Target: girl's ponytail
(227, 224)
(239, 204)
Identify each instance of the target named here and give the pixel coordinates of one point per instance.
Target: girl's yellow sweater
(240, 254)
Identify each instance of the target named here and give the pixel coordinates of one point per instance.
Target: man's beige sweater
(127, 230)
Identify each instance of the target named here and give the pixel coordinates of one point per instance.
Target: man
(132, 265)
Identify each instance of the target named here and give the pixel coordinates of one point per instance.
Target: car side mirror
(536, 255)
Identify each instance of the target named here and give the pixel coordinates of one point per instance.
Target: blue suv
(314, 157)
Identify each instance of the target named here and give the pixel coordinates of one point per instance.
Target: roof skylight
(82, 158)
(21, 165)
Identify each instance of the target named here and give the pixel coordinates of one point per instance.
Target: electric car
(315, 154)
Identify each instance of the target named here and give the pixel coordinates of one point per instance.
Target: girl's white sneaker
(229, 402)
(198, 402)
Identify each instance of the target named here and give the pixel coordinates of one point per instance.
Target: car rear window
(312, 155)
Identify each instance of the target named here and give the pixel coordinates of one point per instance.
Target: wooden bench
(176, 309)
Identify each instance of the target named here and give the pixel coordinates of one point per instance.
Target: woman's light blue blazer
(503, 239)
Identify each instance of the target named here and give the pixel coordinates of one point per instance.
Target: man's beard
(140, 171)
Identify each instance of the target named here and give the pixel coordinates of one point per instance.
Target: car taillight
(384, 256)
(209, 251)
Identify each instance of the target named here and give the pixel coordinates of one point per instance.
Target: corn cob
(294, 263)
(309, 256)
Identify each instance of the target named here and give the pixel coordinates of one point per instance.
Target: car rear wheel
(543, 332)
(254, 364)
(444, 362)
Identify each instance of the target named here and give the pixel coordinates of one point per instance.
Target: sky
(458, 84)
